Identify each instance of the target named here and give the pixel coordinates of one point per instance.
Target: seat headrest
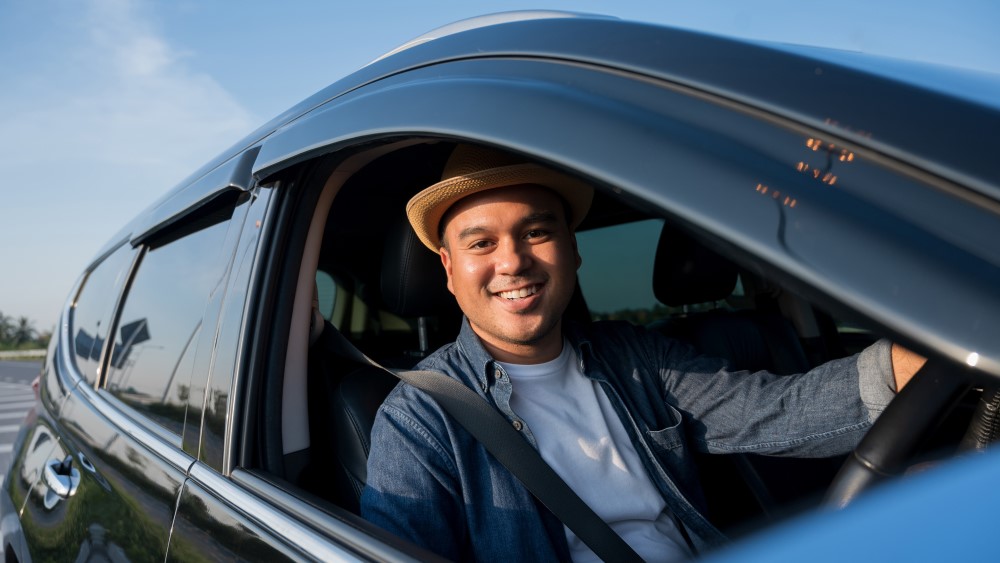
(413, 282)
(685, 272)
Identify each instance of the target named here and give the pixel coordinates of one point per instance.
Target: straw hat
(471, 169)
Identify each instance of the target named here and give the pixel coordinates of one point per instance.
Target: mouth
(520, 293)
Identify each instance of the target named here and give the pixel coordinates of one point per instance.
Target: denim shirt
(431, 482)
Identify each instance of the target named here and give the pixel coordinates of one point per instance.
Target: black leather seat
(344, 395)
(688, 274)
(738, 487)
(345, 392)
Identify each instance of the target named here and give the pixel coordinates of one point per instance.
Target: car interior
(361, 281)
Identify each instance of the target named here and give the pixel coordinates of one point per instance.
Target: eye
(535, 234)
(481, 244)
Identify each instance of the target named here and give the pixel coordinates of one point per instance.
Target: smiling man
(510, 258)
(613, 408)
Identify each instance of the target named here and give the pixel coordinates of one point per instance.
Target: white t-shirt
(581, 437)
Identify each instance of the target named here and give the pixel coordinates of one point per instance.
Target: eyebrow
(534, 218)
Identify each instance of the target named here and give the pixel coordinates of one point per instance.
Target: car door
(220, 515)
(109, 488)
(659, 149)
(72, 360)
(712, 165)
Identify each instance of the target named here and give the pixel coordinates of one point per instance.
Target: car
(207, 394)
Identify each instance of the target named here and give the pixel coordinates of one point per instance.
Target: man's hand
(905, 364)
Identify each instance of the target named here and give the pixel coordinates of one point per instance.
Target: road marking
(19, 414)
(22, 404)
(17, 398)
(9, 428)
(6, 448)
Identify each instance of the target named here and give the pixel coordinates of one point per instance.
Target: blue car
(204, 398)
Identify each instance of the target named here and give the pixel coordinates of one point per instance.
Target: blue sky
(106, 104)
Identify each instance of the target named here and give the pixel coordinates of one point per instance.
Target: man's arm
(818, 414)
(410, 490)
(905, 364)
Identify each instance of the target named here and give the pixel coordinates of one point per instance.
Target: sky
(107, 104)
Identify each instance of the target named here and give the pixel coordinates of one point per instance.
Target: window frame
(70, 325)
(228, 202)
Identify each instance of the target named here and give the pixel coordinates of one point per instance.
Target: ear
(446, 262)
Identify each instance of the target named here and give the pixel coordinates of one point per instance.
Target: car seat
(345, 393)
(687, 274)
(690, 276)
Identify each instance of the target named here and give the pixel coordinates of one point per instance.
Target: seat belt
(499, 438)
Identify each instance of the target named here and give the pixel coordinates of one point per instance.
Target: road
(16, 398)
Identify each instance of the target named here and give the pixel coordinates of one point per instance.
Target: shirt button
(499, 374)
(517, 425)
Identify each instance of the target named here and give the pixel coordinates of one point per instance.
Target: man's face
(511, 261)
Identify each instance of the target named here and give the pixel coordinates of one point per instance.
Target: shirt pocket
(670, 438)
(669, 448)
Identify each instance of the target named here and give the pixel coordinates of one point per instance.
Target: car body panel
(674, 137)
(800, 87)
(130, 474)
(209, 528)
(232, 176)
(126, 496)
(762, 150)
(220, 519)
(936, 515)
(758, 74)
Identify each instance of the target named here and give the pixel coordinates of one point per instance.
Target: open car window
(752, 320)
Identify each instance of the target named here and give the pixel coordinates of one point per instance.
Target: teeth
(519, 293)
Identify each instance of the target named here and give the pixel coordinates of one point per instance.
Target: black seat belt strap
(500, 438)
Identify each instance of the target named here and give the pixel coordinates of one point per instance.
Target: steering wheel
(898, 432)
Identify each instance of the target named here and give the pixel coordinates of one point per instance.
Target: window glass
(91, 315)
(326, 291)
(156, 335)
(617, 272)
(617, 275)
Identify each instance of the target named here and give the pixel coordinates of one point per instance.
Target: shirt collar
(579, 338)
(472, 348)
(474, 351)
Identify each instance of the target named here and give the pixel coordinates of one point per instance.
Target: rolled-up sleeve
(875, 378)
(820, 413)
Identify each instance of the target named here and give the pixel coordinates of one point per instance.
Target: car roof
(940, 140)
(899, 108)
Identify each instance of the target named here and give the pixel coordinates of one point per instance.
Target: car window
(616, 276)
(155, 341)
(617, 271)
(93, 307)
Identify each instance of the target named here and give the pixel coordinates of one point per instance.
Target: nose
(513, 257)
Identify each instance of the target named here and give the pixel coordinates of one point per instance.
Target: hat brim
(426, 209)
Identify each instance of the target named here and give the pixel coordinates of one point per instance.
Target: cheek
(468, 274)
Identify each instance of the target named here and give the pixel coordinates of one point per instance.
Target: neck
(547, 349)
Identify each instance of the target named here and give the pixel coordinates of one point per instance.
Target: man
(614, 409)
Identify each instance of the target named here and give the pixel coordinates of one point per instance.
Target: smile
(519, 293)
